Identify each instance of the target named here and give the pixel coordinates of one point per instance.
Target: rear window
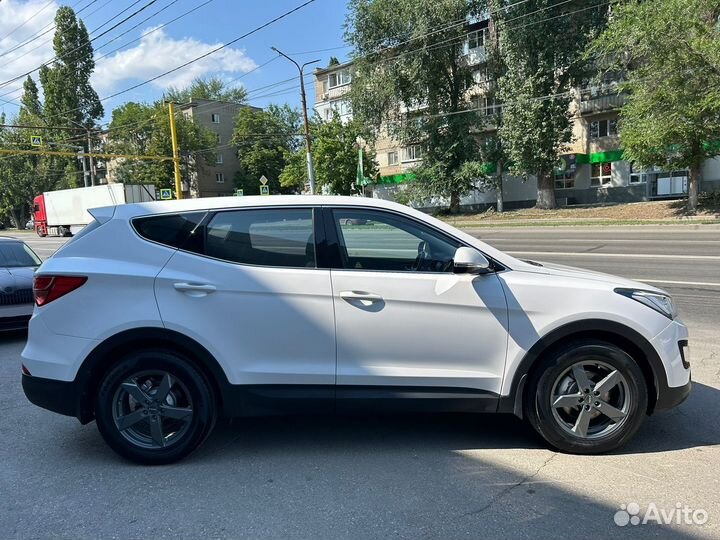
(16, 255)
(174, 230)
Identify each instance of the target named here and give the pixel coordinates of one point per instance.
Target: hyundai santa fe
(160, 317)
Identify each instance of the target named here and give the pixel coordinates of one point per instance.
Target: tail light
(49, 288)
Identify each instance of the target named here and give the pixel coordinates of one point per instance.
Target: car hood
(16, 277)
(561, 270)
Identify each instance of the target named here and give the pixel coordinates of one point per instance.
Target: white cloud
(14, 13)
(156, 53)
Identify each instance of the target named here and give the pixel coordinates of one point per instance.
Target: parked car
(17, 266)
(159, 317)
(30, 225)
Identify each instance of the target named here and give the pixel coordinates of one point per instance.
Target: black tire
(546, 410)
(144, 373)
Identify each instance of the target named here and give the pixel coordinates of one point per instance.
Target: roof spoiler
(103, 214)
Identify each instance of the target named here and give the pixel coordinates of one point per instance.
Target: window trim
(334, 255)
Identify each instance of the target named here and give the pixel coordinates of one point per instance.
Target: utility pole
(176, 152)
(93, 178)
(81, 157)
(308, 144)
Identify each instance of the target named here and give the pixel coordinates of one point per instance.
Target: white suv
(159, 317)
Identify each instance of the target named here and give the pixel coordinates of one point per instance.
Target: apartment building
(592, 171)
(214, 177)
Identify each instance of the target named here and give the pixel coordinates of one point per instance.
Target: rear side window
(174, 230)
(273, 237)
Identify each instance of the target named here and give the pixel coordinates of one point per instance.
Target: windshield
(17, 254)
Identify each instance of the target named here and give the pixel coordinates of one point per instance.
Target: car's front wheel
(589, 397)
(154, 407)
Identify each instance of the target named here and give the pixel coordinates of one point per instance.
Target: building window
(219, 159)
(603, 128)
(215, 118)
(637, 176)
(412, 153)
(392, 158)
(218, 138)
(564, 183)
(339, 78)
(477, 39)
(220, 178)
(186, 115)
(601, 174)
(480, 75)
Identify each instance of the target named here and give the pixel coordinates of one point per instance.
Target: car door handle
(195, 289)
(362, 296)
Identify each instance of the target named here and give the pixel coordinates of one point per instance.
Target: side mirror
(470, 261)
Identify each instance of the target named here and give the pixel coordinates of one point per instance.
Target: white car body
(274, 326)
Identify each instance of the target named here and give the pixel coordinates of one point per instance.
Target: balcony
(596, 102)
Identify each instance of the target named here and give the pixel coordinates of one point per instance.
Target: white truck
(65, 212)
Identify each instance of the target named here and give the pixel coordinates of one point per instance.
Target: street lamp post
(308, 144)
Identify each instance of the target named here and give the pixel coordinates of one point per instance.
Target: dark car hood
(16, 278)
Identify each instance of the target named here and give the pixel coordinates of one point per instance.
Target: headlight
(662, 303)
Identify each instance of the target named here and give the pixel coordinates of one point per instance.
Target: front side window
(381, 241)
(276, 237)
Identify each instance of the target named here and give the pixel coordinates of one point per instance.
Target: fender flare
(620, 334)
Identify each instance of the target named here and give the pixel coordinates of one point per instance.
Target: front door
(403, 318)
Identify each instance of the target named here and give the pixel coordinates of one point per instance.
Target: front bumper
(672, 347)
(53, 395)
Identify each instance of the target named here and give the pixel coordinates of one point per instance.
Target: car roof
(9, 239)
(214, 203)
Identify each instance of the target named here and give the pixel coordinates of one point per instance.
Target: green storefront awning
(396, 178)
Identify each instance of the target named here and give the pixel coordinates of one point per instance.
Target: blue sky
(317, 26)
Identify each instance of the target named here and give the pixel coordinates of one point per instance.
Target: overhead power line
(38, 12)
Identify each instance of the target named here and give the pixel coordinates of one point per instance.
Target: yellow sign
(263, 180)
(165, 194)
(264, 190)
(36, 140)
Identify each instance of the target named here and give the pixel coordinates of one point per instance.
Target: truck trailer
(65, 212)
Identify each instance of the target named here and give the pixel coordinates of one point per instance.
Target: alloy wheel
(591, 399)
(152, 409)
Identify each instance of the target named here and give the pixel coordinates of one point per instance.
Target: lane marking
(671, 282)
(615, 255)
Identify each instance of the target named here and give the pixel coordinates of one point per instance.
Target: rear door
(248, 288)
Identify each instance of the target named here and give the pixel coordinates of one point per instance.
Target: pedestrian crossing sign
(36, 140)
(264, 190)
(165, 194)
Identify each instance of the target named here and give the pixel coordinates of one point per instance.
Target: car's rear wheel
(586, 398)
(154, 407)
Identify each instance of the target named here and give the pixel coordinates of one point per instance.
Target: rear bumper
(57, 396)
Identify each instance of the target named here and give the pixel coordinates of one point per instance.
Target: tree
(411, 82)
(139, 128)
(265, 139)
(211, 88)
(66, 81)
(336, 151)
(31, 98)
(69, 98)
(542, 44)
(669, 51)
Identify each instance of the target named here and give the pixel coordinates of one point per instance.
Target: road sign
(239, 193)
(264, 190)
(263, 180)
(165, 194)
(36, 140)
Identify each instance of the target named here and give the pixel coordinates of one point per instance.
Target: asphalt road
(393, 477)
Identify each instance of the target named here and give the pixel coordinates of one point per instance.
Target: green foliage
(410, 59)
(335, 150)
(210, 88)
(541, 47)
(264, 139)
(670, 52)
(66, 82)
(139, 128)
